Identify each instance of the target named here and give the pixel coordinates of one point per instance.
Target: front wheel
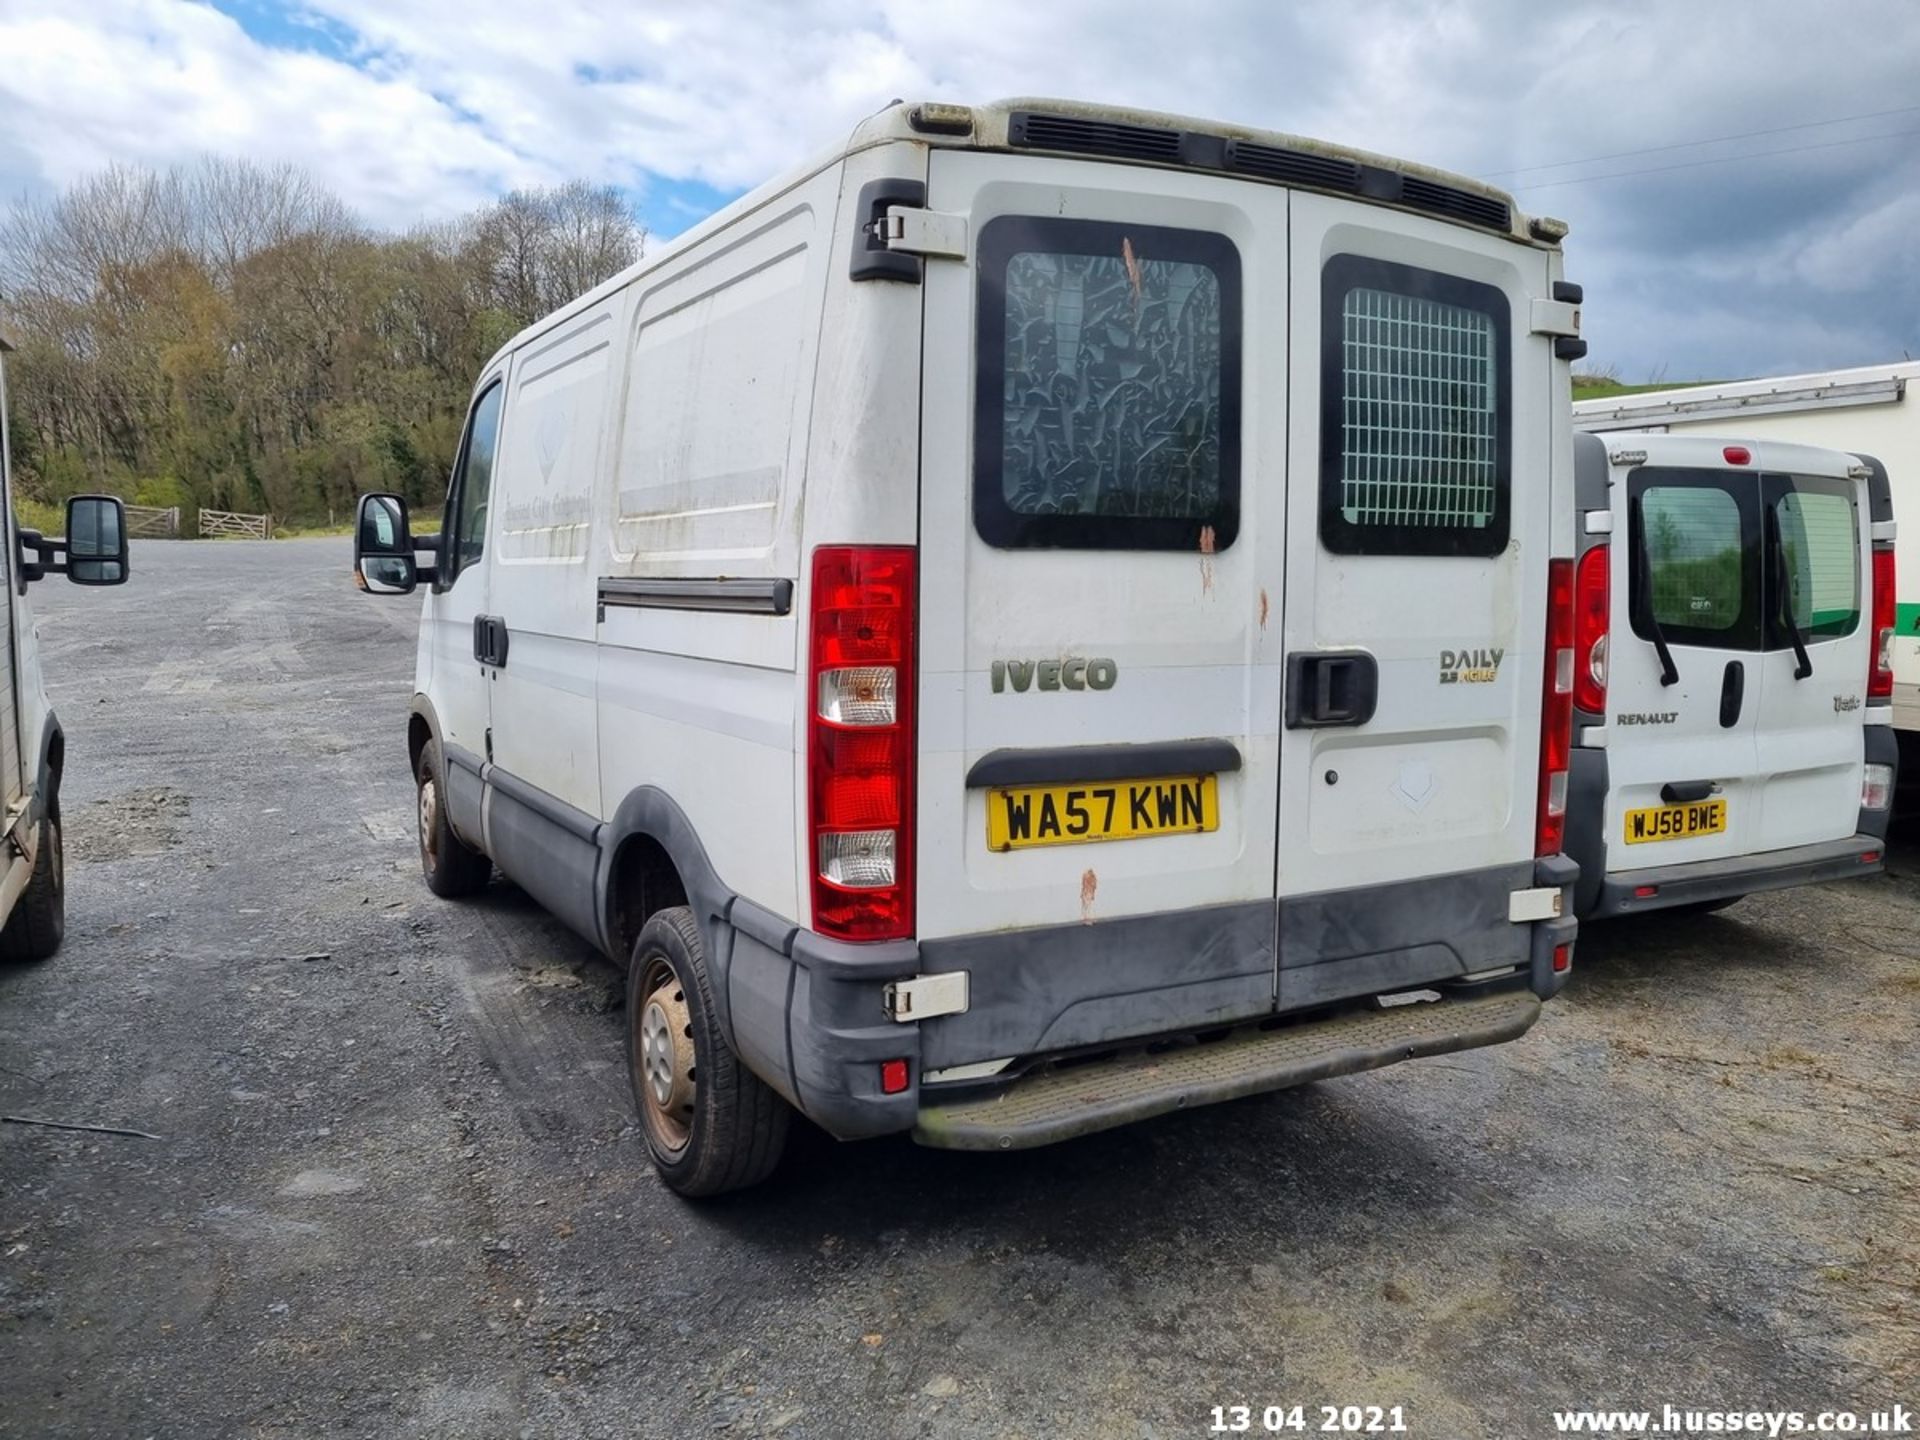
(711, 1124)
(39, 920)
(452, 867)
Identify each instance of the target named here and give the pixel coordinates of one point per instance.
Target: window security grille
(1418, 399)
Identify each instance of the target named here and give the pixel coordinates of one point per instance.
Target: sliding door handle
(490, 640)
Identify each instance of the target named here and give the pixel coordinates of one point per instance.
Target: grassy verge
(1599, 388)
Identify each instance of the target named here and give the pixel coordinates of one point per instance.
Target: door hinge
(931, 233)
(925, 996)
(1555, 317)
(1560, 319)
(1544, 903)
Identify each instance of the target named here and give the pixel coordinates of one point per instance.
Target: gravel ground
(398, 1191)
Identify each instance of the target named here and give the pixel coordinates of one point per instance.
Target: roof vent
(1425, 194)
(1293, 167)
(1093, 137)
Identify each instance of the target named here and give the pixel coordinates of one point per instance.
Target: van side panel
(705, 486)
(543, 584)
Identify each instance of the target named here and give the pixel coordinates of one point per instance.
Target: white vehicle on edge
(33, 747)
(1872, 408)
(1040, 584)
(1733, 677)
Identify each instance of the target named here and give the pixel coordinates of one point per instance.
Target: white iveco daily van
(1733, 679)
(1037, 620)
(33, 747)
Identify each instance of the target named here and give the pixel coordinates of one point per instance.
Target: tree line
(228, 334)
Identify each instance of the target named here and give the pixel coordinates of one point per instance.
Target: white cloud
(418, 109)
(155, 81)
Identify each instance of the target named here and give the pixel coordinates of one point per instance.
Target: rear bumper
(1737, 875)
(809, 1016)
(1150, 1080)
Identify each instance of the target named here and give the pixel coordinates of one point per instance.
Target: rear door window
(1415, 411)
(1819, 533)
(1705, 570)
(1107, 411)
(1694, 565)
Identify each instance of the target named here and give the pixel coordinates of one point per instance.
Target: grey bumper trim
(1738, 875)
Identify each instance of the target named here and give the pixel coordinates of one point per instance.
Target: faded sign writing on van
(1470, 667)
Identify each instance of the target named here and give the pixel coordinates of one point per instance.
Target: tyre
(711, 1125)
(39, 920)
(452, 867)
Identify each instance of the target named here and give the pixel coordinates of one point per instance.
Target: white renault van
(1038, 620)
(33, 747)
(1733, 678)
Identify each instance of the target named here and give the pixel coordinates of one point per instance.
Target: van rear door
(1102, 543)
(1683, 724)
(1812, 701)
(1420, 522)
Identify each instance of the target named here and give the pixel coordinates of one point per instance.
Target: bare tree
(227, 333)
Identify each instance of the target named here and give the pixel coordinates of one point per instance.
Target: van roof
(1778, 394)
(1687, 452)
(1141, 137)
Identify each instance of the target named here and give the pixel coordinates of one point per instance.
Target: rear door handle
(1681, 792)
(1326, 688)
(490, 640)
(1733, 690)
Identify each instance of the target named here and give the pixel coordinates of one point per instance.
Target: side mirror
(96, 540)
(383, 560)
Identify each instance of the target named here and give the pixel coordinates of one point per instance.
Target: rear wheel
(39, 920)
(711, 1124)
(452, 867)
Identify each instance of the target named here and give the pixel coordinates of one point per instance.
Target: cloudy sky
(1790, 242)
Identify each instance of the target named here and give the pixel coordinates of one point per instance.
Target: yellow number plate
(1676, 822)
(1101, 810)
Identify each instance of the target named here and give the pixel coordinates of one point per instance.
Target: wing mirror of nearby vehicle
(96, 540)
(384, 545)
(92, 552)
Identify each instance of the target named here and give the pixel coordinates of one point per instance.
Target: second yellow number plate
(1676, 822)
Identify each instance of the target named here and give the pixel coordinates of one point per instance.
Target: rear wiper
(1643, 600)
(1783, 577)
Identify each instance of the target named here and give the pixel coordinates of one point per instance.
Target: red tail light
(1556, 710)
(860, 741)
(1880, 666)
(1590, 615)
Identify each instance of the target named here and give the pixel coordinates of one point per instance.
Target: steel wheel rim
(664, 1056)
(429, 821)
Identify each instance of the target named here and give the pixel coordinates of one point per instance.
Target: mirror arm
(47, 549)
